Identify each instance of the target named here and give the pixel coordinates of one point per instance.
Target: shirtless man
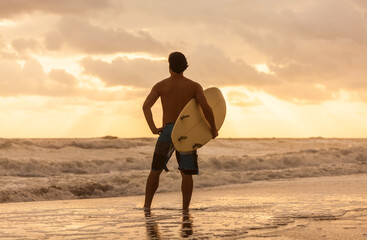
(175, 92)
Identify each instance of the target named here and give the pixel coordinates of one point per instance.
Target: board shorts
(187, 161)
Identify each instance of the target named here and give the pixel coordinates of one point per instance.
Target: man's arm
(207, 110)
(148, 104)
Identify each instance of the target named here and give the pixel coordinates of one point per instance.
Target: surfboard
(191, 130)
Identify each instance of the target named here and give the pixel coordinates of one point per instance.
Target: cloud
(31, 80)
(314, 49)
(4, 53)
(139, 72)
(15, 79)
(63, 77)
(311, 33)
(304, 43)
(53, 41)
(328, 20)
(82, 36)
(321, 42)
(21, 45)
(207, 65)
(241, 99)
(2, 43)
(211, 66)
(301, 93)
(9, 9)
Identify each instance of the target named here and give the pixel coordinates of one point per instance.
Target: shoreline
(208, 188)
(307, 208)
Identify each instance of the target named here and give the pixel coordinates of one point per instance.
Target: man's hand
(214, 132)
(157, 130)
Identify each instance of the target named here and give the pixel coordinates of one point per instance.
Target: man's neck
(176, 75)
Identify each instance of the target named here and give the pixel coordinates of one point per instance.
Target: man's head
(177, 62)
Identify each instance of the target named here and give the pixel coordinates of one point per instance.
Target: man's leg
(186, 187)
(151, 187)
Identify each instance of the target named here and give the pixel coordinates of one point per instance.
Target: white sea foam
(45, 169)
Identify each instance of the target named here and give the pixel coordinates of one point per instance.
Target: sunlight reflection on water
(223, 212)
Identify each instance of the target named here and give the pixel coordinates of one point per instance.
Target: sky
(83, 68)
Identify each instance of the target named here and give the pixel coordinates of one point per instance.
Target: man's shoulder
(167, 82)
(161, 83)
(193, 83)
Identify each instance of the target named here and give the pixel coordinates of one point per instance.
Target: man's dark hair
(177, 62)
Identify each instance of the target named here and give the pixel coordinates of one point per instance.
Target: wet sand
(308, 208)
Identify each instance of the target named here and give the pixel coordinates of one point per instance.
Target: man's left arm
(207, 110)
(148, 104)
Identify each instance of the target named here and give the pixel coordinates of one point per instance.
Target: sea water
(50, 169)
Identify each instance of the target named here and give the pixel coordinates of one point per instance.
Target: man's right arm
(207, 110)
(148, 104)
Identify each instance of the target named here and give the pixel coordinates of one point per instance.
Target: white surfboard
(192, 130)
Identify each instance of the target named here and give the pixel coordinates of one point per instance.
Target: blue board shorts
(187, 161)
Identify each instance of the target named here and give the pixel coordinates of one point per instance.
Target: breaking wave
(48, 169)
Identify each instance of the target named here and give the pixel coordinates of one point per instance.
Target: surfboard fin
(184, 116)
(182, 138)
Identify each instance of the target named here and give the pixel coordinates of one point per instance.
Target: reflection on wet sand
(186, 229)
(308, 208)
(152, 226)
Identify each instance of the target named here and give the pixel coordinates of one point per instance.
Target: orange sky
(83, 68)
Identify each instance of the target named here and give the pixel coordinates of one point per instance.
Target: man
(175, 92)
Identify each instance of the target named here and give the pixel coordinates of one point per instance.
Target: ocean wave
(93, 143)
(126, 183)
(5, 143)
(48, 169)
(42, 168)
(310, 157)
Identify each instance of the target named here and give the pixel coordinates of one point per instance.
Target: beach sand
(307, 208)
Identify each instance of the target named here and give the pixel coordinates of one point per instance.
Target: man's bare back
(175, 93)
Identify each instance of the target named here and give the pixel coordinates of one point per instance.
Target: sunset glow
(83, 68)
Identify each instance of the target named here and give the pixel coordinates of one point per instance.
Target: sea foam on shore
(49, 169)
